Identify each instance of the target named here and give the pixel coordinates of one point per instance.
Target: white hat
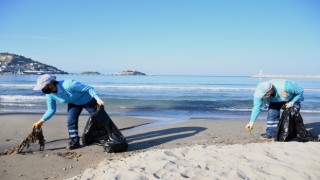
(43, 80)
(262, 89)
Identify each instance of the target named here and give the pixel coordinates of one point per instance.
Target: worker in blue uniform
(276, 93)
(75, 94)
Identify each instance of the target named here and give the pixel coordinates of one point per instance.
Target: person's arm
(257, 104)
(77, 86)
(51, 110)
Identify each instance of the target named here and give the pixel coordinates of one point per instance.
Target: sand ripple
(292, 160)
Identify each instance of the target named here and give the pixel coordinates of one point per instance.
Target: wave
(160, 87)
(18, 85)
(187, 88)
(191, 105)
(173, 88)
(18, 105)
(310, 111)
(312, 90)
(246, 110)
(13, 98)
(233, 109)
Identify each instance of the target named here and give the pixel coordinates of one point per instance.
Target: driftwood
(35, 135)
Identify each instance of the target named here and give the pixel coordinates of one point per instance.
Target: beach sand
(195, 149)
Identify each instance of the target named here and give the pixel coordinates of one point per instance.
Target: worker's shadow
(313, 128)
(58, 144)
(155, 138)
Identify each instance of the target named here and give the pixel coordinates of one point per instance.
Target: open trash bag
(291, 127)
(101, 130)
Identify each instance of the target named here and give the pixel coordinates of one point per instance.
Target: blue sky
(172, 37)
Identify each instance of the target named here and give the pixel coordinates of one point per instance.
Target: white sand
(275, 160)
(198, 149)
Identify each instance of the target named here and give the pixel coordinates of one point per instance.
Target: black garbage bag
(101, 130)
(291, 127)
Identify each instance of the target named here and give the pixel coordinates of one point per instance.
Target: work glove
(289, 105)
(249, 126)
(38, 124)
(99, 101)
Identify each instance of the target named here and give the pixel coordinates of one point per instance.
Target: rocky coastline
(17, 64)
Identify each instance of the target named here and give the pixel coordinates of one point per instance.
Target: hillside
(17, 64)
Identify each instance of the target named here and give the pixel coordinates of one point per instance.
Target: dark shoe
(266, 136)
(73, 145)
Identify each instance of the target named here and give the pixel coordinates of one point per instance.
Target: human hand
(249, 126)
(38, 124)
(99, 101)
(289, 105)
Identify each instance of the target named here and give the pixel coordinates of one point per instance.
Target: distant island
(90, 73)
(16, 64)
(130, 72)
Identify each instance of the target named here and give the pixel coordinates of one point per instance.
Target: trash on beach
(101, 130)
(69, 155)
(34, 136)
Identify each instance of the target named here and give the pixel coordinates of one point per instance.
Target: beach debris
(69, 155)
(8, 151)
(35, 135)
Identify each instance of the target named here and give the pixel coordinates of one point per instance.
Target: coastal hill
(17, 64)
(130, 72)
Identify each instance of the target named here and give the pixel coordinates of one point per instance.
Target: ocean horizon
(160, 97)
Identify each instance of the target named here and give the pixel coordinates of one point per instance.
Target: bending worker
(76, 94)
(275, 93)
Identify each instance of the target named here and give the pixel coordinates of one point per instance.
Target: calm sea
(159, 97)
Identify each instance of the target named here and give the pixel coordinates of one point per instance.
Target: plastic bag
(101, 130)
(291, 126)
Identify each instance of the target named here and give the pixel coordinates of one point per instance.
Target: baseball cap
(262, 89)
(43, 80)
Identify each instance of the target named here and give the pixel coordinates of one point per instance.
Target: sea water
(169, 98)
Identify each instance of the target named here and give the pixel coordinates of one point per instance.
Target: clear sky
(172, 37)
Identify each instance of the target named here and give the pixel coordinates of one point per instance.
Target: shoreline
(177, 139)
(162, 119)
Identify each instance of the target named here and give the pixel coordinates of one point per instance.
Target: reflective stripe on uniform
(73, 131)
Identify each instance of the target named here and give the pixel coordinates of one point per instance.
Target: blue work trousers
(74, 112)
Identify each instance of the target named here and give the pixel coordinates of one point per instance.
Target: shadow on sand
(155, 138)
(313, 128)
